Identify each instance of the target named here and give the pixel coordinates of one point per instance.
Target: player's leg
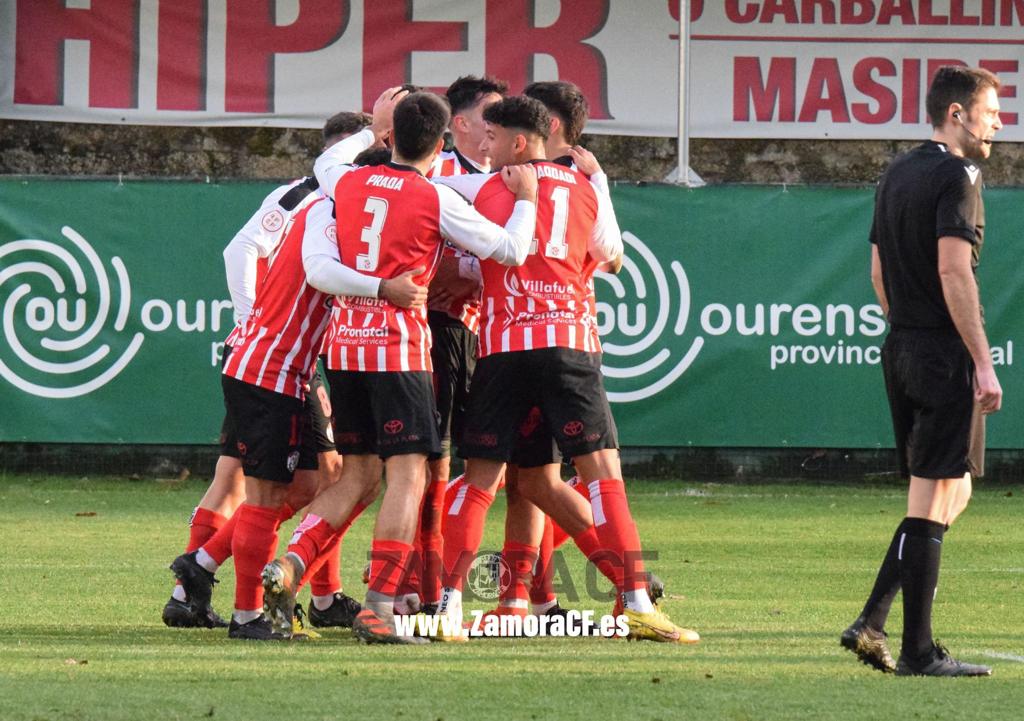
(405, 434)
(579, 418)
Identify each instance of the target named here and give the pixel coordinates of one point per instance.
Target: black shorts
(566, 385)
(317, 430)
(453, 354)
(385, 414)
(929, 378)
(269, 429)
(318, 412)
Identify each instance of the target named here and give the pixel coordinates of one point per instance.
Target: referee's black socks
(887, 584)
(919, 550)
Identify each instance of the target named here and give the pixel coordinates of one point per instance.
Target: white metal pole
(683, 130)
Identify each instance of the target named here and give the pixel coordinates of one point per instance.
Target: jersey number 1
(556, 246)
(378, 208)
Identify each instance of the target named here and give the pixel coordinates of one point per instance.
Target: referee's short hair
(956, 84)
(420, 121)
(344, 124)
(520, 113)
(564, 100)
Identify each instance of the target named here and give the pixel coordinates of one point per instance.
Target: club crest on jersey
(273, 221)
(293, 461)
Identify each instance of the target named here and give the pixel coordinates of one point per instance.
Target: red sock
(201, 528)
(219, 544)
(254, 544)
(324, 574)
(581, 488)
(464, 529)
(389, 561)
(617, 531)
(431, 542)
(590, 546)
(311, 537)
(520, 560)
(542, 587)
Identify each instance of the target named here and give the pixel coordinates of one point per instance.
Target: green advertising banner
(743, 316)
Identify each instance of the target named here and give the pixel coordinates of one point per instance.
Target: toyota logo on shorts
(573, 428)
(394, 427)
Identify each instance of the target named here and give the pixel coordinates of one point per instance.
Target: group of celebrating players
(413, 269)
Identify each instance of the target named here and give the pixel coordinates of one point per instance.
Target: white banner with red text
(843, 69)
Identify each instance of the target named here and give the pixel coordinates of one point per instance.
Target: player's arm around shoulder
(321, 260)
(461, 223)
(606, 238)
(960, 291)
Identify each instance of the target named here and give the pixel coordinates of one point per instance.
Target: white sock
(637, 600)
(300, 567)
(322, 603)
(451, 601)
(538, 609)
(178, 594)
(243, 617)
(205, 560)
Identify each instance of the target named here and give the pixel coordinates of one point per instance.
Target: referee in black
(926, 237)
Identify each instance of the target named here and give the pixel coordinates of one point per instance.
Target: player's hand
(585, 161)
(987, 391)
(384, 110)
(521, 180)
(403, 291)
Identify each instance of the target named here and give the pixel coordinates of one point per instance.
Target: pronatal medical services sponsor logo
(69, 323)
(651, 334)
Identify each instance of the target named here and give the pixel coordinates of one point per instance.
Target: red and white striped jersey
(447, 164)
(281, 337)
(547, 302)
(246, 257)
(390, 220)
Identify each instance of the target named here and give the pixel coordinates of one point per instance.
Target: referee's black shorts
(929, 378)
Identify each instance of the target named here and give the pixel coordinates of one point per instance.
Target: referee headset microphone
(963, 125)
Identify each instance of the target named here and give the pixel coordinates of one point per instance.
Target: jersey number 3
(378, 208)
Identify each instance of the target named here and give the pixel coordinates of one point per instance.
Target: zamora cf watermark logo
(642, 316)
(64, 316)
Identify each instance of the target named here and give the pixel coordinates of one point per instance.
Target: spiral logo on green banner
(64, 315)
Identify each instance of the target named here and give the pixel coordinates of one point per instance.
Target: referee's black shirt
(925, 194)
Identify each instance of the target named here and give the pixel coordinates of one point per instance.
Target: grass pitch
(768, 574)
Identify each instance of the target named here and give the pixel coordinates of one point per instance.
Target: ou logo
(642, 317)
(58, 316)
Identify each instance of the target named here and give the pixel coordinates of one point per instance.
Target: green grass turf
(768, 574)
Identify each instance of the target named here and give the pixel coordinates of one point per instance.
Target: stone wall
(74, 149)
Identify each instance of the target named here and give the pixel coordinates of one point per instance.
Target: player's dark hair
(520, 113)
(956, 84)
(345, 124)
(420, 121)
(466, 91)
(373, 156)
(566, 101)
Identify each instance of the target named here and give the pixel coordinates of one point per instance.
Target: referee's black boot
(939, 663)
(870, 646)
